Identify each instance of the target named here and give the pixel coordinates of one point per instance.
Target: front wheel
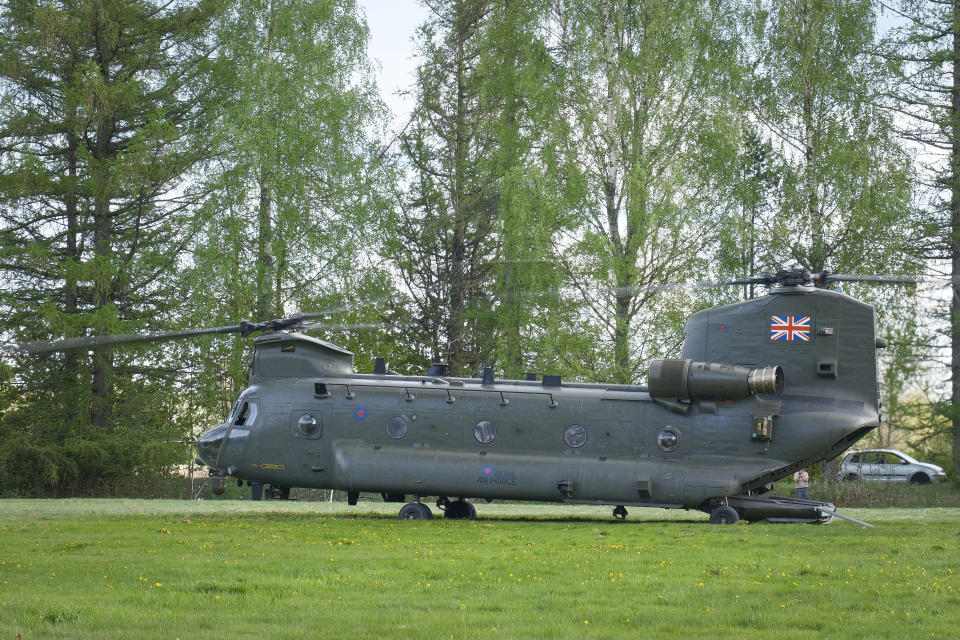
(920, 478)
(415, 511)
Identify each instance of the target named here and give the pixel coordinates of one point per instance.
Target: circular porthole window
(575, 436)
(669, 439)
(308, 425)
(397, 427)
(485, 431)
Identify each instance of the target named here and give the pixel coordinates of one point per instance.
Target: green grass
(230, 569)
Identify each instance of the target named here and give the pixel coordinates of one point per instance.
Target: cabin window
(669, 439)
(485, 431)
(397, 427)
(575, 436)
(308, 424)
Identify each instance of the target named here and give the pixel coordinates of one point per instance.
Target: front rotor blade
(350, 326)
(765, 279)
(91, 342)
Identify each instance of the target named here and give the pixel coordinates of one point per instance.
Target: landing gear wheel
(724, 515)
(415, 511)
(460, 510)
(620, 512)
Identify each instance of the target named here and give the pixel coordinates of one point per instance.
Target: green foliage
(566, 165)
(293, 203)
(442, 232)
(923, 51)
(817, 89)
(99, 105)
(651, 143)
(863, 494)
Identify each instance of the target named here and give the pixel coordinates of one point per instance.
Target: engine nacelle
(688, 379)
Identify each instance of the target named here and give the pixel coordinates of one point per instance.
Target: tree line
(565, 167)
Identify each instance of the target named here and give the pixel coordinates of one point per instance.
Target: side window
(855, 458)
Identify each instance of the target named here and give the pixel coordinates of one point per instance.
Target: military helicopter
(763, 388)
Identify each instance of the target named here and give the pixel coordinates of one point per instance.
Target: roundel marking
(487, 471)
(360, 413)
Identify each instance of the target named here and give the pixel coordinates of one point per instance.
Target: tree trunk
(71, 304)
(620, 259)
(458, 248)
(265, 262)
(266, 265)
(818, 252)
(102, 258)
(955, 243)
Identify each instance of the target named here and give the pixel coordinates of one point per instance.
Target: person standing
(801, 479)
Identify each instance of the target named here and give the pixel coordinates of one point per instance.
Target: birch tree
(817, 90)
(652, 134)
(295, 203)
(926, 47)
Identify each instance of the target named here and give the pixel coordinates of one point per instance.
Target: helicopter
(763, 388)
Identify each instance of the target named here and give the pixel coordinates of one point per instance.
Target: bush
(862, 494)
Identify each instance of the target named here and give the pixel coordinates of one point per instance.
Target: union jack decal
(790, 328)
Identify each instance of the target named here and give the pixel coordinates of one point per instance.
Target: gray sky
(392, 25)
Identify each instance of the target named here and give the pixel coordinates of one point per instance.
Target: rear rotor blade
(761, 279)
(890, 279)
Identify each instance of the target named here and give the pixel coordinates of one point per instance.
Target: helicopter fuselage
(717, 422)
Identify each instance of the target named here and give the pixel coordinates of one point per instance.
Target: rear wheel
(724, 515)
(460, 510)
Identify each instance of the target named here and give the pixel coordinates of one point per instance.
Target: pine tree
(99, 104)
(442, 240)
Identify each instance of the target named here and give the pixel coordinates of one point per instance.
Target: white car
(888, 465)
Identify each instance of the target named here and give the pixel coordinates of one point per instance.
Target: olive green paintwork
(318, 424)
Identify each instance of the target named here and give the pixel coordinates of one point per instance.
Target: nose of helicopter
(209, 444)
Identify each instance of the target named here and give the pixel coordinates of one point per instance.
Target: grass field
(230, 569)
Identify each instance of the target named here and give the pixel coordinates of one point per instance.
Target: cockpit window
(247, 414)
